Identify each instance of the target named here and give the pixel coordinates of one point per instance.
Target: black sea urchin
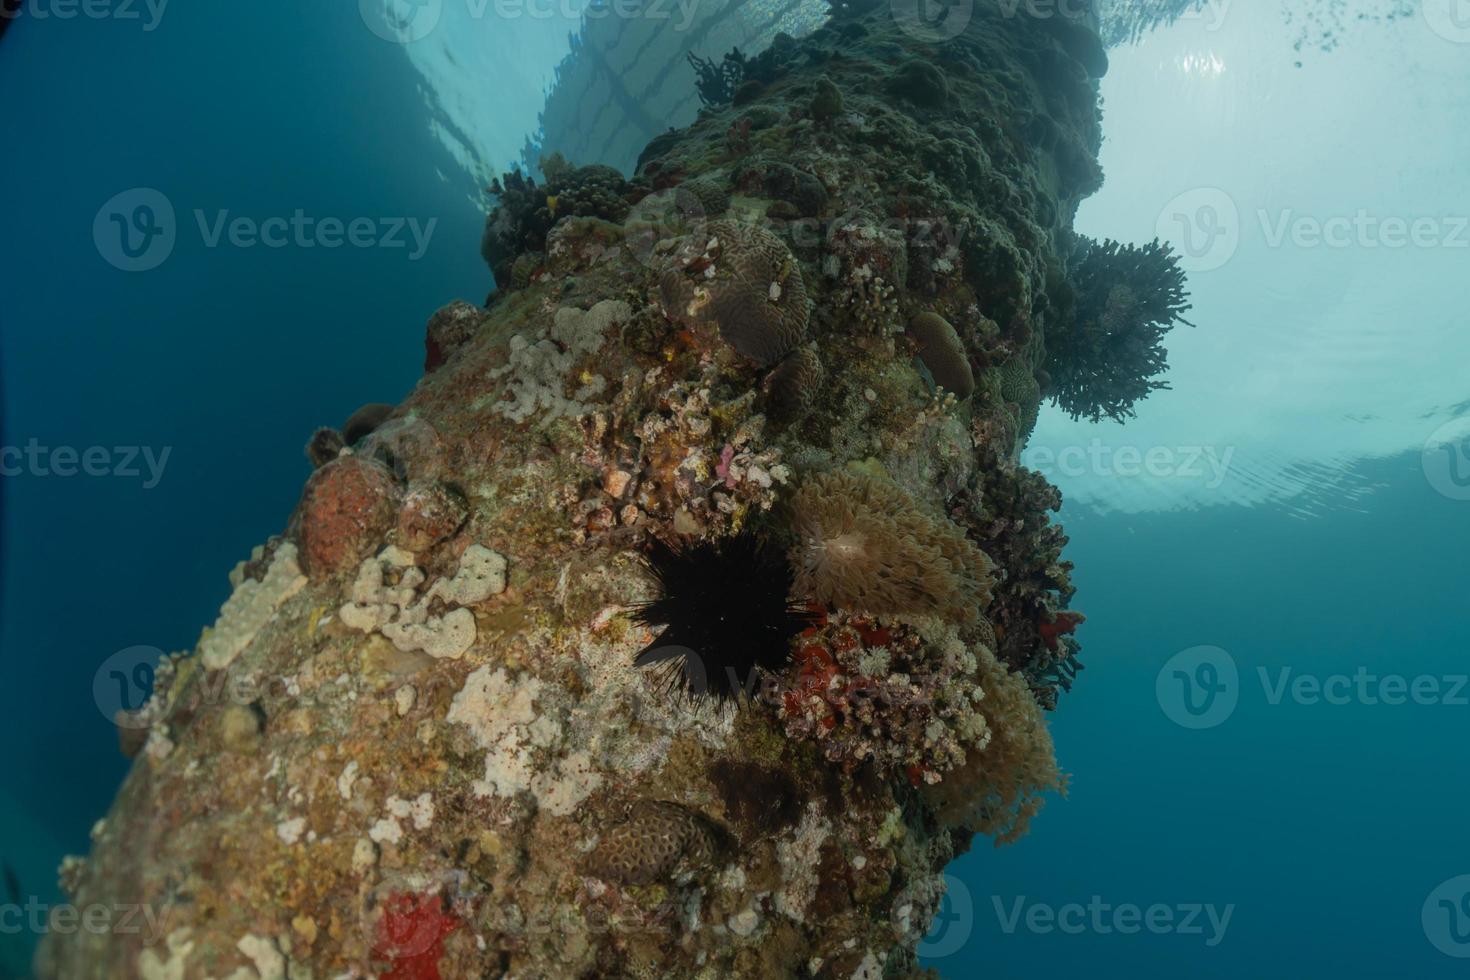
(725, 609)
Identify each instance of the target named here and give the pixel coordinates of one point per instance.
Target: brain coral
(943, 353)
(866, 544)
(743, 280)
(796, 382)
(658, 839)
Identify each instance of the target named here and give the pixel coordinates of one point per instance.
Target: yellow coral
(866, 544)
(1000, 787)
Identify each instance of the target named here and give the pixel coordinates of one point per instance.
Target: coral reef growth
(1109, 353)
(688, 432)
(869, 546)
(525, 212)
(717, 81)
(943, 353)
(869, 692)
(744, 281)
(1002, 784)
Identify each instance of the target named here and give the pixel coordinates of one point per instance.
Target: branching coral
(867, 545)
(743, 280)
(1000, 787)
(718, 80)
(1109, 353)
(525, 212)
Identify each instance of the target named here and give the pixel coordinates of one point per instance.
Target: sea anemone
(867, 545)
(725, 611)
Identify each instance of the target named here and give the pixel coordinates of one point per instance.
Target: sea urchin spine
(726, 611)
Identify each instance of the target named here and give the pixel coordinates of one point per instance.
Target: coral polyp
(725, 611)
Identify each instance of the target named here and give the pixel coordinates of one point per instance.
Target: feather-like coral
(866, 544)
(1003, 783)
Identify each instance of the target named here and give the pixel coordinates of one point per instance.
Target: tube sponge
(866, 544)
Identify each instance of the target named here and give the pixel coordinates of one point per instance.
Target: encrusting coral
(417, 744)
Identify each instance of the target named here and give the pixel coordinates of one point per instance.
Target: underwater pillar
(751, 418)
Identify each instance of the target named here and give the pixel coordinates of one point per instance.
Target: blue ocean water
(1327, 544)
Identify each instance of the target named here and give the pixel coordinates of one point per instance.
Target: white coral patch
(250, 607)
(401, 613)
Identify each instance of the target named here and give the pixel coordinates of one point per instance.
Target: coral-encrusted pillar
(801, 347)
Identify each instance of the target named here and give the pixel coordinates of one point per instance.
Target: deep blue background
(229, 356)
(1325, 826)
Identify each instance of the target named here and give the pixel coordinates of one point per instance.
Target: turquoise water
(1305, 513)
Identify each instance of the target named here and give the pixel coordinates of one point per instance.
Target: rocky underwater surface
(751, 418)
